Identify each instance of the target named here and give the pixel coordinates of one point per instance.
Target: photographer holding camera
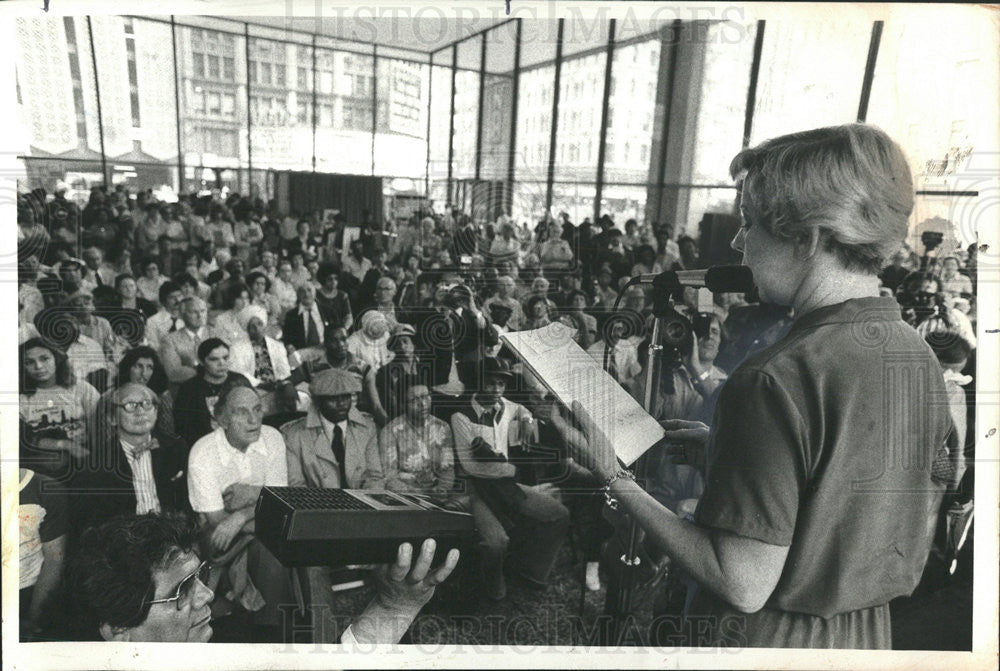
(929, 310)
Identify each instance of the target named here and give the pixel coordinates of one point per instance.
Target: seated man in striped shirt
(485, 429)
(132, 468)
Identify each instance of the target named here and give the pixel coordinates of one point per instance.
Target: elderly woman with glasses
(132, 468)
(830, 450)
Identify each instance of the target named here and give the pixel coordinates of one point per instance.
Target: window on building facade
(198, 100)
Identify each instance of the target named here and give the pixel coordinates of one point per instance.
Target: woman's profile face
(141, 371)
(770, 258)
(40, 366)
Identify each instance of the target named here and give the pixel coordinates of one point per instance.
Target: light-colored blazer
(179, 354)
(310, 458)
(242, 360)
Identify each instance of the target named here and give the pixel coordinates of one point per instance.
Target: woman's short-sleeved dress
(831, 442)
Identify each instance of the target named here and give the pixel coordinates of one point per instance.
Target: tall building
(58, 101)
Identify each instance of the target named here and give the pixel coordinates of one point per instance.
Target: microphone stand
(618, 603)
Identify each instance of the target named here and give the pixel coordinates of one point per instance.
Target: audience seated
(226, 470)
(56, 409)
(305, 326)
(132, 467)
(335, 445)
(416, 448)
(264, 362)
(374, 347)
(179, 349)
(194, 403)
(485, 429)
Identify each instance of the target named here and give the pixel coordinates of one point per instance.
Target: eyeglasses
(187, 586)
(132, 407)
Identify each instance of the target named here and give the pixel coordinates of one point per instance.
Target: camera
(677, 337)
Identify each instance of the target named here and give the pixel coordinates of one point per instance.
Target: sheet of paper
(572, 374)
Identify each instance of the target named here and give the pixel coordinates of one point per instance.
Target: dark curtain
(351, 194)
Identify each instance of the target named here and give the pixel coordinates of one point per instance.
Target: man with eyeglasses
(139, 578)
(132, 468)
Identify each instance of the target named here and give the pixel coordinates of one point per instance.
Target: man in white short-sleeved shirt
(226, 470)
(217, 465)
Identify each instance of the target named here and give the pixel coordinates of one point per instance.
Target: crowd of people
(177, 357)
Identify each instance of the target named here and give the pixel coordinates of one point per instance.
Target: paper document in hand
(571, 374)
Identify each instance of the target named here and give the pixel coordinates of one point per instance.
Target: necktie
(490, 415)
(173, 325)
(337, 445)
(312, 331)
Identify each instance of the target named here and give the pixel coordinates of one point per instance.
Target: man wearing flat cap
(335, 446)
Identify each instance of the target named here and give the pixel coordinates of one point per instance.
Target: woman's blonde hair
(850, 182)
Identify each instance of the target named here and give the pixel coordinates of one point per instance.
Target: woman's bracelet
(618, 475)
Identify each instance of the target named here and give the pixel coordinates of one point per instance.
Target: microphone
(734, 279)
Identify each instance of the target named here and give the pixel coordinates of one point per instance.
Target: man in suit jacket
(179, 348)
(305, 325)
(334, 446)
(131, 469)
